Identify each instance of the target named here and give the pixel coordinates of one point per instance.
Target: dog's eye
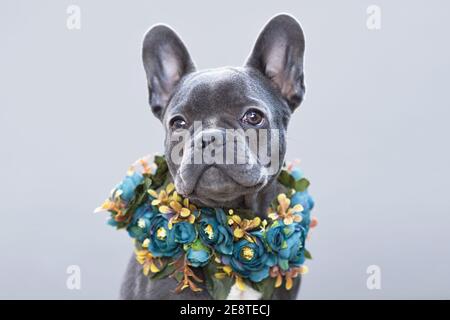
(253, 117)
(177, 123)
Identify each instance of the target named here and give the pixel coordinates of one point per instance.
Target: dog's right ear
(166, 61)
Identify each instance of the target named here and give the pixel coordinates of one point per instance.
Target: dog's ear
(278, 54)
(166, 61)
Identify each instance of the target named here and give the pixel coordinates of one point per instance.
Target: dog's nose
(214, 137)
(207, 141)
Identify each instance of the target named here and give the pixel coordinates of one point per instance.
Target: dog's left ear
(166, 60)
(278, 54)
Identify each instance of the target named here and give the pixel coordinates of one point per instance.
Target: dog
(262, 94)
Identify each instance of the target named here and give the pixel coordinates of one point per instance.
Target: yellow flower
(146, 167)
(209, 231)
(227, 272)
(241, 227)
(240, 283)
(116, 206)
(285, 212)
(150, 263)
(181, 209)
(162, 198)
(247, 253)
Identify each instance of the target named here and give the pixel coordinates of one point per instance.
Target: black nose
(207, 141)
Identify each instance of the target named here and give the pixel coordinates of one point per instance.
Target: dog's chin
(215, 188)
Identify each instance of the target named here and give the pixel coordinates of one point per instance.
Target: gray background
(372, 135)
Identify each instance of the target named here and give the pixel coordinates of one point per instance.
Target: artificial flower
(250, 259)
(184, 232)
(197, 254)
(139, 226)
(149, 262)
(126, 189)
(215, 232)
(285, 212)
(242, 227)
(162, 239)
(179, 211)
(163, 197)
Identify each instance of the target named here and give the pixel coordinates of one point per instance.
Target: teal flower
(275, 236)
(184, 232)
(307, 202)
(127, 187)
(250, 259)
(139, 226)
(215, 232)
(162, 239)
(197, 254)
(292, 248)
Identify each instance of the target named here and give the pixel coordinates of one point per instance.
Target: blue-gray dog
(262, 95)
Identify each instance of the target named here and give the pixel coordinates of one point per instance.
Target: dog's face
(206, 114)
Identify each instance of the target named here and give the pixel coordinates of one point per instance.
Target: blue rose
(139, 226)
(304, 199)
(184, 232)
(128, 186)
(215, 232)
(298, 256)
(275, 236)
(197, 254)
(250, 259)
(293, 238)
(162, 239)
(307, 203)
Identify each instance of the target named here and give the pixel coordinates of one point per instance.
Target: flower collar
(173, 237)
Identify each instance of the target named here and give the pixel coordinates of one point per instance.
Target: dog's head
(200, 109)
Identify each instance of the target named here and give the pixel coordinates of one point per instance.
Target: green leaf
(266, 287)
(308, 255)
(178, 276)
(219, 289)
(161, 172)
(283, 263)
(286, 179)
(168, 269)
(197, 245)
(301, 185)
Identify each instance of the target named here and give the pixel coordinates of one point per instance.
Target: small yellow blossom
(285, 212)
(240, 283)
(145, 243)
(242, 227)
(181, 209)
(149, 262)
(163, 197)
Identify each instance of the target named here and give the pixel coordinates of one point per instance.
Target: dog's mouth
(213, 185)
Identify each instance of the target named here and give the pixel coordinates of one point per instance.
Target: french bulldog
(260, 95)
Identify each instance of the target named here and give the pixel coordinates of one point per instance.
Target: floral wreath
(232, 246)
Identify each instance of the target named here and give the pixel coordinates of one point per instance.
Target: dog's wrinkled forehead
(223, 94)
